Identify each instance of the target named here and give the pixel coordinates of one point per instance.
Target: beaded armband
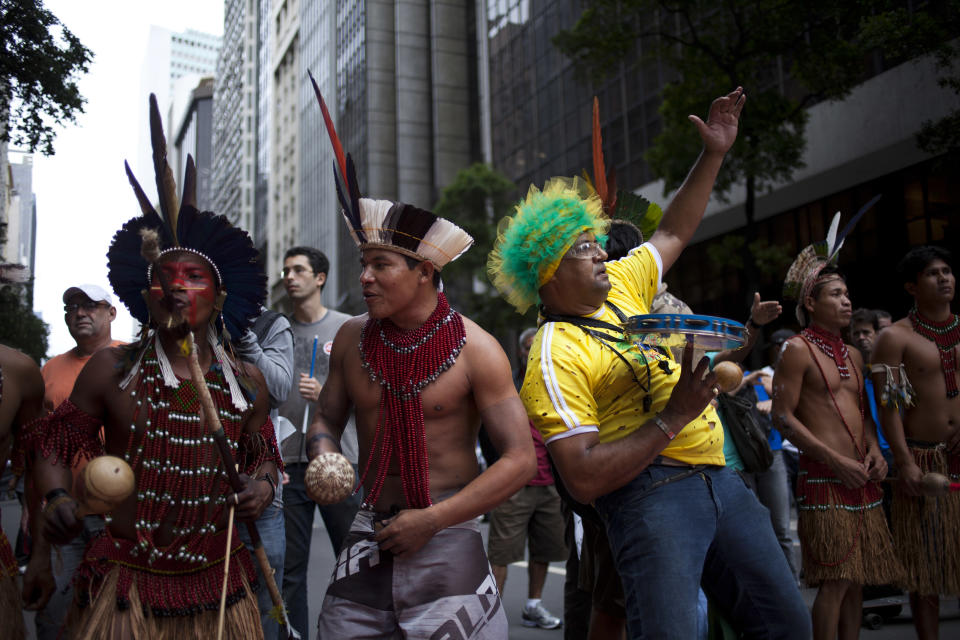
(258, 448)
(896, 389)
(65, 434)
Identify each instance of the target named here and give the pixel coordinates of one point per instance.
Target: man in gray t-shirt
(304, 274)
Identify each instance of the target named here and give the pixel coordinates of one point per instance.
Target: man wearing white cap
(88, 312)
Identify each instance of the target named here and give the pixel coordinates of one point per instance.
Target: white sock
(532, 602)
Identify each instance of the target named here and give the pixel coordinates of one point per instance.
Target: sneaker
(540, 617)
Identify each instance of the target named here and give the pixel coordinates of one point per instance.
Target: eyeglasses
(584, 251)
(296, 269)
(89, 306)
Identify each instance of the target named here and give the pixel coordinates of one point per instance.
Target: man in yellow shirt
(629, 429)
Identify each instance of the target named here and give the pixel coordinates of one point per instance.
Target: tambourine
(707, 333)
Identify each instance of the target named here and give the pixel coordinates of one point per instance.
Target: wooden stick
(226, 573)
(216, 430)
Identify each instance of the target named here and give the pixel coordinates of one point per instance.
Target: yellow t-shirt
(574, 384)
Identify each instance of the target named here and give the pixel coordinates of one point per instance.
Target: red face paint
(190, 284)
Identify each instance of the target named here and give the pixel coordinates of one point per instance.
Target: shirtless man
(21, 400)
(922, 424)
(818, 401)
(418, 516)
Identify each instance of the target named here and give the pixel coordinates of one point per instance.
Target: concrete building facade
(235, 115)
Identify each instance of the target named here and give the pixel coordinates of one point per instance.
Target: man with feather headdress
(158, 572)
(419, 378)
(819, 404)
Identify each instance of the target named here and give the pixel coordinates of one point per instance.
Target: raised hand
(763, 312)
(720, 129)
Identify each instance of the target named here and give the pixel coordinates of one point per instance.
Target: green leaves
(476, 200)
(19, 327)
(40, 61)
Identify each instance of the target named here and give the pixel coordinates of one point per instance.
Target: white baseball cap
(92, 291)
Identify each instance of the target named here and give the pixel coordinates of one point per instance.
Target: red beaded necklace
(946, 335)
(404, 362)
(831, 344)
(176, 462)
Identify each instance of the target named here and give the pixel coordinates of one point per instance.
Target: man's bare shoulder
(479, 342)
(896, 335)
(16, 362)
(351, 328)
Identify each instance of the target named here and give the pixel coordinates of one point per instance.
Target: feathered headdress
(544, 226)
(618, 204)
(180, 227)
(386, 224)
(804, 274)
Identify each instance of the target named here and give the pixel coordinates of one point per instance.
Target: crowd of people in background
(667, 495)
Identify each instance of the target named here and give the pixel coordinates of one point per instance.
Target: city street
(515, 592)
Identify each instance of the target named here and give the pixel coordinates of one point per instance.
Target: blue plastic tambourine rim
(671, 330)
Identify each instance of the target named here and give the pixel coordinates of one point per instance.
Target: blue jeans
(773, 490)
(271, 530)
(298, 511)
(707, 528)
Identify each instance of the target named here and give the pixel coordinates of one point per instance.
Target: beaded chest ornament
(404, 363)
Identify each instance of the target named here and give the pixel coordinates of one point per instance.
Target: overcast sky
(82, 192)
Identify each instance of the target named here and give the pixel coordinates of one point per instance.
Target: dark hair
(318, 261)
(817, 288)
(917, 259)
(412, 264)
(821, 282)
(868, 316)
(882, 313)
(621, 238)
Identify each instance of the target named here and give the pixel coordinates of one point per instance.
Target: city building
(191, 130)
(235, 115)
(19, 216)
(173, 59)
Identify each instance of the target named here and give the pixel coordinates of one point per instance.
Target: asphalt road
(515, 592)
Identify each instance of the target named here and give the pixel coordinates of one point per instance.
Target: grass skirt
(117, 596)
(11, 607)
(926, 529)
(843, 532)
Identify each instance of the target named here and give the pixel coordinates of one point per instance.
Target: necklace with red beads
(404, 363)
(830, 344)
(946, 335)
(179, 481)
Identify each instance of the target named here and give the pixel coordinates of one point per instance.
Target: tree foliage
(40, 61)
(903, 32)
(787, 54)
(19, 327)
(476, 200)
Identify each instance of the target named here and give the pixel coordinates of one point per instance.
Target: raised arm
(787, 382)
(333, 406)
(590, 469)
(685, 211)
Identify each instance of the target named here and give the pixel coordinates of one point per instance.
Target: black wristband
(320, 436)
(751, 322)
